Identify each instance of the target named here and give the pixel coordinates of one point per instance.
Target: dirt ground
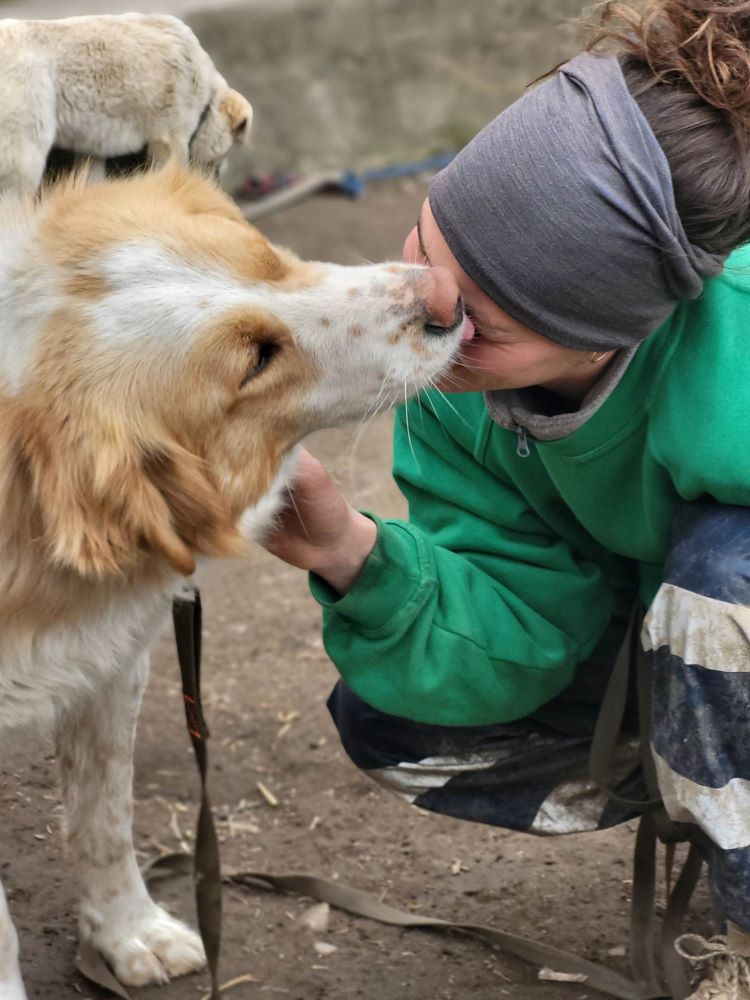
(266, 682)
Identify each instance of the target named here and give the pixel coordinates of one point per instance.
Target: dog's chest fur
(45, 671)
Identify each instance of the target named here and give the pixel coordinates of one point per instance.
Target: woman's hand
(319, 531)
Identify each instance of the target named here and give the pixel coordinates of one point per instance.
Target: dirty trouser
(532, 774)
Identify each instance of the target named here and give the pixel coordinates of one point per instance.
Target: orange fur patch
(171, 207)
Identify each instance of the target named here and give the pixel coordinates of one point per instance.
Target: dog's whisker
(297, 511)
(458, 363)
(366, 419)
(408, 428)
(447, 402)
(435, 413)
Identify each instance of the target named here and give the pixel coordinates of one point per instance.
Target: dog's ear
(199, 518)
(238, 114)
(102, 512)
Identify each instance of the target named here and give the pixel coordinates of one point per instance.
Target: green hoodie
(504, 578)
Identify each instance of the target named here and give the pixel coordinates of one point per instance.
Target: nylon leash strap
(186, 612)
(186, 615)
(654, 825)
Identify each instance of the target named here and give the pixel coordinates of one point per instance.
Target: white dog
(110, 86)
(159, 362)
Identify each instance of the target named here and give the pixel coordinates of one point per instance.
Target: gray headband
(562, 211)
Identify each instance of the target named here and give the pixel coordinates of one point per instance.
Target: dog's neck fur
(34, 590)
(36, 593)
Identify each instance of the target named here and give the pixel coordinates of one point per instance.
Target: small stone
(324, 949)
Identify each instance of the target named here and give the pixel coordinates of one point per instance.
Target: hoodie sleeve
(473, 611)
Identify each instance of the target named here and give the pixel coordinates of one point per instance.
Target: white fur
(257, 521)
(19, 299)
(106, 86)
(83, 679)
(11, 986)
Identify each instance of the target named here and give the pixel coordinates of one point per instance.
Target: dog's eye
(264, 352)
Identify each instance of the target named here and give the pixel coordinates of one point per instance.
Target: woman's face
(502, 354)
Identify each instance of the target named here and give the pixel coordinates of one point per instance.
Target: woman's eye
(265, 352)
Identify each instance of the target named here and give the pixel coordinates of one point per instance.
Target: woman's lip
(467, 333)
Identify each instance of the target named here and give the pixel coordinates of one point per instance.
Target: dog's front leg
(174, 147)
(140, 940)
(11, 985)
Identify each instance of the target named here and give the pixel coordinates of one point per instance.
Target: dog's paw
(152, 948)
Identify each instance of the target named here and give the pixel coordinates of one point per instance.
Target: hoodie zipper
(523, 449)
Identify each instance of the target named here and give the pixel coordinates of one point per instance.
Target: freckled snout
(438, 290)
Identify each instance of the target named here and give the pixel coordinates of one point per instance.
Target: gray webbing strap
(187, 615)
(654, 824)
(611, 714)
(362, 904)
(673, 923)
(186, 612)
(642, 914)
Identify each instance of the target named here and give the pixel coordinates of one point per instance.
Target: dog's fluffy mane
(103, 498)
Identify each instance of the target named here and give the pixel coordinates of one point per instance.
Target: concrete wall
(362, 83)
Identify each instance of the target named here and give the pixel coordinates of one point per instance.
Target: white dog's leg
(28, 125)
(160, 151)
(142, 943)
(97, 169)
(11, 986)
(21, 171)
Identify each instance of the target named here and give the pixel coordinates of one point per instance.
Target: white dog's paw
(152, 948)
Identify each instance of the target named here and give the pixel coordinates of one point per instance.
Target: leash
(187, 622)
(361, 904)
(187, 618)
(654, 826)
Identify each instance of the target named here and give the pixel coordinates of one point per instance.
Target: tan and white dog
(108, 86)
(159, 363)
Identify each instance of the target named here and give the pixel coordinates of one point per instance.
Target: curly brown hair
(687, 64)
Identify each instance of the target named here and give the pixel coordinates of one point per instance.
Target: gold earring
(597, 356)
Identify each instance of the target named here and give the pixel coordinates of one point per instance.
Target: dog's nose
(438, 290)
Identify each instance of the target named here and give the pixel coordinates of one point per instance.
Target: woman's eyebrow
(420, 244)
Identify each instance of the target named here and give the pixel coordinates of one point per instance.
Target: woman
(594, 455)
